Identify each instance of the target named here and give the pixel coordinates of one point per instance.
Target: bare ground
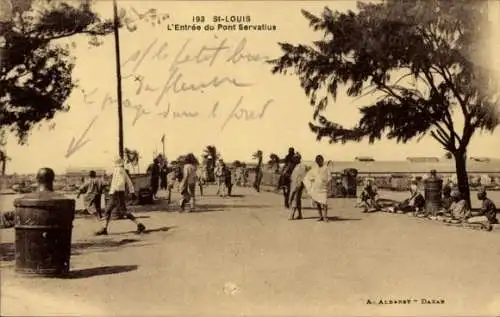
(241, 256)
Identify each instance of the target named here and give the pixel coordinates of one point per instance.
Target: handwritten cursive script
(207, 54)
(240, 113)
(176, 85)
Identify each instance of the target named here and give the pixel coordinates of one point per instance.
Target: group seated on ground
(460, 213)
(414, 204)
(454, 207)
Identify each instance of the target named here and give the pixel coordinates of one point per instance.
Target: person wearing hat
(120, 184)
(488, 213)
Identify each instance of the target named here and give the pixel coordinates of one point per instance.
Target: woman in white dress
(316, 183)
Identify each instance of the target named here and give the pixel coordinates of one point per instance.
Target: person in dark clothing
(286, 162)
(228, 180)
(289, 158)
(163, 174)
(258, 172)
(154, 176)
(286, 173)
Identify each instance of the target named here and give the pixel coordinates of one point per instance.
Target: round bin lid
(43, 199)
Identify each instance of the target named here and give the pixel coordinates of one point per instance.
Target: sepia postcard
(249, 158)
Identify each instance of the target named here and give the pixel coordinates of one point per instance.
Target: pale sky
(283, 123)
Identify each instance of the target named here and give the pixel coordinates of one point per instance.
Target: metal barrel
(43, 227)
(433, 198)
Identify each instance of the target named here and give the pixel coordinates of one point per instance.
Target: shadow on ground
(221, 207)
(333, 218)
(147, 231)
(99, 271)
(7, 250)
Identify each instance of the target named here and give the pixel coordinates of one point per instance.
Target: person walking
(258, 172)
(154, 177)
(297, 187)
(202, 178)
(120, 184)
(220, 178)
(92, 188)
(316, 183)
(188, 183)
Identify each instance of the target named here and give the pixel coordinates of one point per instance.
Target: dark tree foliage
(417, 56)
(35, 71)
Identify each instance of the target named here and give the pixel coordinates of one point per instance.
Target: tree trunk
(462, 177)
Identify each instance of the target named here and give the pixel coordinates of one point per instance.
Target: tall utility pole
(118, 78)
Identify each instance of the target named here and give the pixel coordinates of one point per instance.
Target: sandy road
(241, 256)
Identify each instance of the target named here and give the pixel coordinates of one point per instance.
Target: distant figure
(154, 177)
(172, 179)
(316, 183)
(163, 174)
(93, 189)
(120, 183)
(288, 160)
(258, 172)
(433, 175)
(297, 188)
(485, 180)
(228, 180)
(244, 175)
(220, 178)
(202, 178)
(286, 177)
(188, 183)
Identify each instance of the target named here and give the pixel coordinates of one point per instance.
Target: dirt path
(241, 256)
